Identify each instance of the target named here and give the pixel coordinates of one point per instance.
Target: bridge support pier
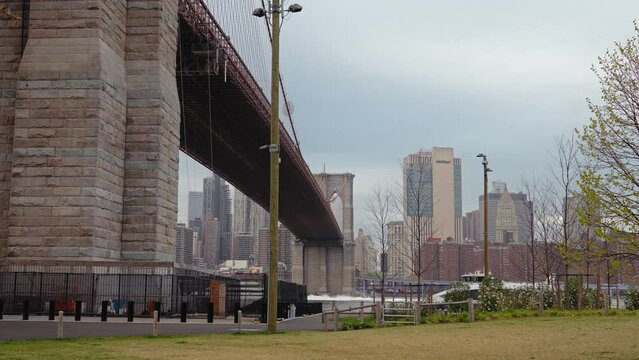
(328, 266)
(323, 268)
(89, 136)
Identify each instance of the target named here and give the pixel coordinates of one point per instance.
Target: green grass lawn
(579, 337)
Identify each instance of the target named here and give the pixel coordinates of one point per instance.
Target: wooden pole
(274, 152)
(471, 310)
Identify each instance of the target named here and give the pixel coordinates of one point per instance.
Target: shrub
(527, 297)
(631, 298)
(571, 294)
(491, 294)
(458, 292)
(353, 323)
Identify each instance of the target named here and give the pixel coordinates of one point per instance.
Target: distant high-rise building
(285, 242)
(210, 241)
(183, 244)
(196, 199)
(243, 248)
(432, 192)
(471, 226)
(520, 204)
(506, 223)
(364, 263)
(248, 217)
(198, 228)
(242, 209)
(263, 247)
(398, 251)
(217, 203)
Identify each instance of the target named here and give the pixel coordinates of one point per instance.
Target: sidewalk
(12, 327)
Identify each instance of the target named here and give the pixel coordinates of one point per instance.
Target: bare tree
(380, 209)
(529, 187)
(416, 210)
(564, 176)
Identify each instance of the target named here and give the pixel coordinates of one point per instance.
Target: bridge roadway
(38, 327)
(225, 119)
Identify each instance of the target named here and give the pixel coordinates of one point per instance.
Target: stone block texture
(89, 123)
(153, 125)
(330, 268)
(10, 55)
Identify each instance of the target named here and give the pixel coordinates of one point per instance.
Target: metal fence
(145, 290)
(252, 292)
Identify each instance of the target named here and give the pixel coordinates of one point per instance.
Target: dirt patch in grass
(583, 337)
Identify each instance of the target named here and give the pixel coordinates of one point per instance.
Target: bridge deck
(226, 118)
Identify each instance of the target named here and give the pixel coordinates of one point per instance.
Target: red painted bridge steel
(224, 131)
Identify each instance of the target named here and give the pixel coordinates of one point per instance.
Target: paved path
(39, 327)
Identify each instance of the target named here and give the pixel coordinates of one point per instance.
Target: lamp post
(276, 11)
(486, 171)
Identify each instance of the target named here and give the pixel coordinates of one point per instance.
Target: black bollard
(158, 308)
(25, 310)
(264, 313)
(1, 309)
(51, 309)
(129, 311)
(78, 310)
(235, 314)
(183, 312)
(209, 313)
(105, 306)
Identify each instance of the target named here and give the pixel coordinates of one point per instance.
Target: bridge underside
(223, 129)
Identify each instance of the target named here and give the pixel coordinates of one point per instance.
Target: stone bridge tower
(89, 124)
(327, 267)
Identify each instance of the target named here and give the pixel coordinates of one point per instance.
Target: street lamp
(277, 12)
(486, 171)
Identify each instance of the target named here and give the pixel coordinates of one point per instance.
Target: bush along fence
(494, 300)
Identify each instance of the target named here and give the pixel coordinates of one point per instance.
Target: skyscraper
(217, 203)
(210, 241)
(183, 244)
(248, 217)
(365, 259)
(432, 192)
(507, 226)
(195, 205)
(519, 206)
(398, 251)
(243, 248)
(285, 241)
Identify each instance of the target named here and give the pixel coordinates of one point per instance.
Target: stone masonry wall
(89, 131)
(153, 124)
(68, 147)
(10, 54)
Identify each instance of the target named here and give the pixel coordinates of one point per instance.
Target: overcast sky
(373, 81)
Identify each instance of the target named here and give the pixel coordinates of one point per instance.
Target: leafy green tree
(610, 142)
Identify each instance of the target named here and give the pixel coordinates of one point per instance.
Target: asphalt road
(15, 328)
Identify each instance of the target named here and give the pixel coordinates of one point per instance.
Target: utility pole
(276, 11)
(274, 150)
(486, 171)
